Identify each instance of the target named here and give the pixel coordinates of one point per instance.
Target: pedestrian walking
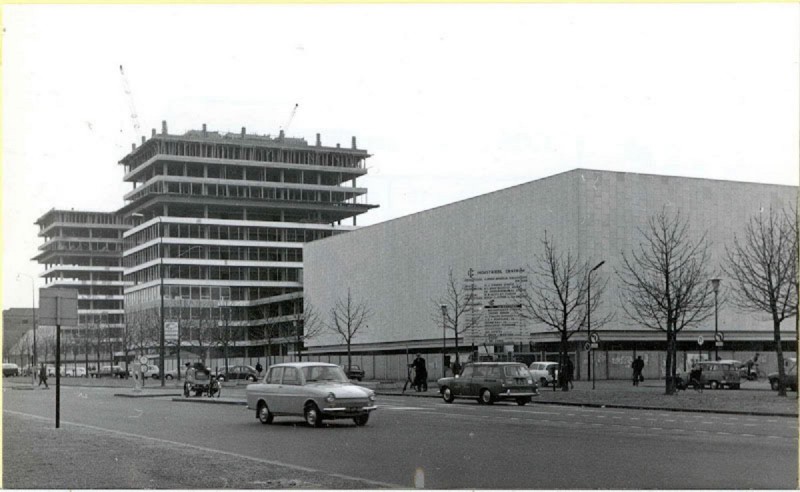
(259, 368)
(420, 374)
(637, 366)
(570, 372)
(43, 376)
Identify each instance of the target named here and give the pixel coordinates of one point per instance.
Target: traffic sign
(143, 360)
(594, 337)
(718, 344)
(719, 336)
(588, 346)
(700, 340)
(595, 345)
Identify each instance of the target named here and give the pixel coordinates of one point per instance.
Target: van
(720, 374)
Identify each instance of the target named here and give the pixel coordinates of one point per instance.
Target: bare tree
(202, 328)
(460, 316)
(310, 327)
(664, 283)
(557, 296)
(347, 318)
(225, 334)
(763, 266)
(263, 331)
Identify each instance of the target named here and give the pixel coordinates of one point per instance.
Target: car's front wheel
(251, 378)
(312, 416)
(447, 395)
(713, 385)
(486, 397)
(220, 378)
(522, 401)
(543, 382)
(263, 413)
(361, 420)
(773, 383)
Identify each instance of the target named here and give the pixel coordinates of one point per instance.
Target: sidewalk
(755, 398)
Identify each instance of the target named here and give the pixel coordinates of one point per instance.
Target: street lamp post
(590, 373)
(444, 336)
(715, 285)
(33, 315)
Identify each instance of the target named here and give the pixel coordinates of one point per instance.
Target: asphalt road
(420, 442)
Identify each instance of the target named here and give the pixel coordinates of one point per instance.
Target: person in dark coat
(420, 374)
(259, 368)
(43, 376)
(569, 368)
(637, 366)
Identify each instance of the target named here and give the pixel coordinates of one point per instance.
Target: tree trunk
(563, 377)
(776, 326)
(349, 360)
(669, 388)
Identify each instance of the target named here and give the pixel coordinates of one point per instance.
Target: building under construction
(220, 222)
(83, 250)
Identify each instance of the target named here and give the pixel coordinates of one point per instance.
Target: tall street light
(33, 315)
(444, 336)
(589, 317)
(715, 285)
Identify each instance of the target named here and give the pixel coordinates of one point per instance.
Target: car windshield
(324, 373)
(516, 371)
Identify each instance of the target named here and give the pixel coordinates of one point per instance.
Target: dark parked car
(10, 370)
(354, 372)
(490, 382)
(789, 373)
(247, 373)
(109, 371)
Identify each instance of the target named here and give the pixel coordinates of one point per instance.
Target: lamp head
(715, 284)
(444, 309)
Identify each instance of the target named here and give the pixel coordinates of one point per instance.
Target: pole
(444, 337)
(589, 319)
(590, 373)
(716, 327)
(33, 314)
(58, 372)
(162, 376)
(58, 365)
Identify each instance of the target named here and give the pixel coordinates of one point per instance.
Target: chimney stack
(152, 132)
(319, 141)
(204, 129)
(244, 131)
(163, 127)
(338, 146)
(133, 146)
(280, 135)
(143, 140)
(354, 143)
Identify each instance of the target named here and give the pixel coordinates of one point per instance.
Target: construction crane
(127, 88)
(285, 127)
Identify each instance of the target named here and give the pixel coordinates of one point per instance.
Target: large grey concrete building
(399, 268)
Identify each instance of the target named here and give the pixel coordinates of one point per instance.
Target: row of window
(203, 252)
(210, 272)
(225, 232)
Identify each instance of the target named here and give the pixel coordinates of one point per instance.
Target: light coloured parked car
(10, 369)
(316, 391)
(544, 372)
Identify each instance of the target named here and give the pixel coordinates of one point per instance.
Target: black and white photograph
(386, 245)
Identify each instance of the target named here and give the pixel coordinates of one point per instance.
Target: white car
(316, 391)
(544, 372)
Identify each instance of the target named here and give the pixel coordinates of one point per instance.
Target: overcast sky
(453, 101)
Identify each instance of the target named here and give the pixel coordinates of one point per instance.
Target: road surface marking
(387, 407)
(747, 435)
(207, 450)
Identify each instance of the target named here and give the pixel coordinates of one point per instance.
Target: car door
(461, 383)
(292, 391)
(271, 388)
